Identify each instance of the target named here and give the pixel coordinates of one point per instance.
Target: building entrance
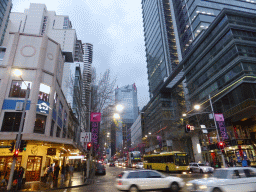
(33, 168)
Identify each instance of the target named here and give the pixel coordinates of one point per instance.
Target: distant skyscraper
(161, 51)
(193, 17)
(88, 53)
(127, 97)
(5, 9)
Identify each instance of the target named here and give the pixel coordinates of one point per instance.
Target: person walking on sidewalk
(56, 171)
(20, 177)
(63, 172)
(50, 175)
(71, 170)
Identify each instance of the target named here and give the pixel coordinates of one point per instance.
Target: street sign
(192, 128)
(86, 137)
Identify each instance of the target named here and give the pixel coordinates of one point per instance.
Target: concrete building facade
(47, 124)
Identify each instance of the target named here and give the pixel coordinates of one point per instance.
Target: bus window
(181, 160)
(170, 159)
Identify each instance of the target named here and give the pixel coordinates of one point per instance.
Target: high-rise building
(5, 10)
(127, 97)
(87, 73)
(193, 17)
(38, 20)
(161, 51)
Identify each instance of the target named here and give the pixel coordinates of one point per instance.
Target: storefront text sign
(95, 123)
(221, 125)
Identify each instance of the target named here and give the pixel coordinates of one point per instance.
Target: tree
(102, 91)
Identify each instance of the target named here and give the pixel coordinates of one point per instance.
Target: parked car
(112, 164)
(226, 179)
(200, 168)
(139, 165)
(138, 180)
(100, 169)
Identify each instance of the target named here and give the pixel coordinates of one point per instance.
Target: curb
(89, 183)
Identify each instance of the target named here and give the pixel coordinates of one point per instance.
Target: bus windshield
(181, 159)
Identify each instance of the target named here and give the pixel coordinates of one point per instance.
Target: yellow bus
(167, 161)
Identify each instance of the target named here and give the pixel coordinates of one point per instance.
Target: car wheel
(201, 171)
(174, 187)
(216, 190)
(133, 189)
(167, 169)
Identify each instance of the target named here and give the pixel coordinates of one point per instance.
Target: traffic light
(221, 145)
(23, 145)
(12, 146)
(16, 153)
(188, 128)
(89, 145)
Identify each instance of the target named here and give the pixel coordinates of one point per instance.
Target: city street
(108, 181)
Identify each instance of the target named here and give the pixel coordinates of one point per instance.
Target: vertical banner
(221, 125)
(95, 126)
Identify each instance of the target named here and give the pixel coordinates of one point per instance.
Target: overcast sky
(115, 28)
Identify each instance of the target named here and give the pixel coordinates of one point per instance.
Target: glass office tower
(5, 9)
(161, 51)
(194, 16)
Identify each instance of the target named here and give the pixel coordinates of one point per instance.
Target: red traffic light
(16, 153)
(221, 145)
(188, 128)
(89, 145)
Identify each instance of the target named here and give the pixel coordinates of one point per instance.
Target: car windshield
(220, 174)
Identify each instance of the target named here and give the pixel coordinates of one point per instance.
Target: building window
(65, 24)
(52, 128)
(44, 92)
(60, 110)
(55, 100)
(58, 131)
(44, 25)
(18, 89)
(40, 124)
(11, 122)
(2, 53)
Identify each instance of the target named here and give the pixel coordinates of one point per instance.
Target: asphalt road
(107, 182)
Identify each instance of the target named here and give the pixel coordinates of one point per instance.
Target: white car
(200, 168)
(139, 165)
(235, 179)
(147, 180)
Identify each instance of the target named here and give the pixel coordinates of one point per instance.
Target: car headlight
(203, 187)
(189, 185)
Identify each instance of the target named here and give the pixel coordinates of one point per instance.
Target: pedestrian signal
(12, 146)
(23, 145)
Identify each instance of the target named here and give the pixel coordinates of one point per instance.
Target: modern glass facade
(5, 9)
(161, 51)
(194, 16)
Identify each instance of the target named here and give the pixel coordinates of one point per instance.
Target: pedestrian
(50, 175)
(219, 164)
(71, 170)
(248, 162)
(67, 171)
(56, 171)
(63, 172)
(244, 163)
(20, 177)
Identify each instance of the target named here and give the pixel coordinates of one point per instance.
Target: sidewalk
(76, 180)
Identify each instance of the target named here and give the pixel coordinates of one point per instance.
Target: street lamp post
(218, 137)
(17, 145)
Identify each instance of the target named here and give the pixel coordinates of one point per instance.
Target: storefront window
(18, 89)
(40, 124)
(55, 100)
(11, 122)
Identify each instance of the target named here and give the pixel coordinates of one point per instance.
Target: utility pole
(17, 145)
(218, 137)
(90, 151)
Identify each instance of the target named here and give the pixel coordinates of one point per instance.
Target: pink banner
(95, 117)
(219, 117)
